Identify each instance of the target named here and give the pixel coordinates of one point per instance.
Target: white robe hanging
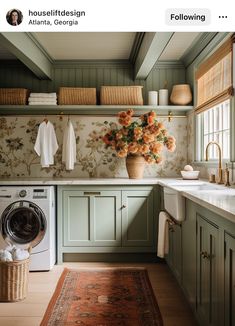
(69, 147)
(46, 143)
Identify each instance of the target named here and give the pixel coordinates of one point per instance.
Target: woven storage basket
(14, 280)
(77, 96)
(121, 95)
(13, 96)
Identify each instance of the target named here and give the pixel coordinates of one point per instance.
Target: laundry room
(117, 179)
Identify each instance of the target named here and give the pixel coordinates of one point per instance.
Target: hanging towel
(163, 238)
(69, 147)
(46, 143)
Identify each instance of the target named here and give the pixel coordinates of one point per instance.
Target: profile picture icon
(14, 17)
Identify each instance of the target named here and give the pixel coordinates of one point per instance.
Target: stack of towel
(43, 99)
(11, 253)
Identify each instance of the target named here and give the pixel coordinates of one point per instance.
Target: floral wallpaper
(18, 158)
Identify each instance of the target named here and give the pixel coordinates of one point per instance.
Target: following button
(177, 16)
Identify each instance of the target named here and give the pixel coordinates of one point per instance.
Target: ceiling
(178, 45)
(102, 46)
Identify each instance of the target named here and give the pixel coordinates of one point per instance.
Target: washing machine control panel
(39, 193)
(23, 193)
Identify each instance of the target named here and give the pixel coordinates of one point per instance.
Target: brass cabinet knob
(123, 206)
(205, 255)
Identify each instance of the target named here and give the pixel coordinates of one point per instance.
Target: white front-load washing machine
(27, 217)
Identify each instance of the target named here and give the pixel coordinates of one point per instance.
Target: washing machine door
(23, 222)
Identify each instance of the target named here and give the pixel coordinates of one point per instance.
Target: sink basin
(199, 187)
(174, 203)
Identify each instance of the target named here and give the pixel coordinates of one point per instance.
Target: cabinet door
(92, 218)
(176, 251)
(189, 253)
(229, 280)
(207, 271)
(174, 256)
(137, 218)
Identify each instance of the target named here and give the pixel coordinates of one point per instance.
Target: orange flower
(171, 147)
(122, 153)
(119, 135)
(171, 139)
(148, 137)
(156, 148)
(144, 149)
(151, 118)
(138, 132)
(161, 125)
(133, 148)
(149, 159)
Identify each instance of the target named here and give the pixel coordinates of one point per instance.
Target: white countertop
(220, 201)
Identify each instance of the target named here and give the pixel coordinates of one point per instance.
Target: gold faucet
(220, 171)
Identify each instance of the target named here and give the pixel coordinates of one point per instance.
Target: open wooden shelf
(96, 110)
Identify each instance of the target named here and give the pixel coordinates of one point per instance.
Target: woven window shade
(214, 78)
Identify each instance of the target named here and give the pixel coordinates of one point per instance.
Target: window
(214, 124)
(214, 91)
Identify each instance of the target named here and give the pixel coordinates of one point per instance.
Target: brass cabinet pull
(91, 193)
(205, 255)
(123, 206)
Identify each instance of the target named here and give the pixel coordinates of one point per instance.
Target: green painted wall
(91, 74)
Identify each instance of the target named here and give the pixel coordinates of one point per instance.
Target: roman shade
(214, 78)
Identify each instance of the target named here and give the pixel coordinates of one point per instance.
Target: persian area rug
(103, 297)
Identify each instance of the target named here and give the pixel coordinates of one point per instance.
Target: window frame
(199, 139)
(198, 132)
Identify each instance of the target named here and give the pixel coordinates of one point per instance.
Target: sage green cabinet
(174, 256)
(229, 279)
(189, 253)
(107, 219)
(137, 218)
(207, 271)
(91, 218)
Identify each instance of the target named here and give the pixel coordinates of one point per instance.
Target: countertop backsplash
(18, 158)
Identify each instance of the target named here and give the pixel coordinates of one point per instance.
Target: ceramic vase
(135, 165)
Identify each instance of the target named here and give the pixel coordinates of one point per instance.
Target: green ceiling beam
(150, 50)
(24, 47)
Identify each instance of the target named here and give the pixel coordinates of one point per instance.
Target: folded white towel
(43, 103)
(19, 254)
(5, 255)
(41, 99)
(51, 95)
(10, 247)
(163, 237)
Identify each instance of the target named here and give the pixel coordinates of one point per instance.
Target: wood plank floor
(174, 308)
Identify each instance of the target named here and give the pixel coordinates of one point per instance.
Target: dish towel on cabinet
(46, 143)
(163, 237)
(69, 147)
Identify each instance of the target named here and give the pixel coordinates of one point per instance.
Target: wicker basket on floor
(13, 96)
(77, 96)
(121, 95)
(14, 280)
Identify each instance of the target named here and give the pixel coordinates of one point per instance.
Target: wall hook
(170, 116)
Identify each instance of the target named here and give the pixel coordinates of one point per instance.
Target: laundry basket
(14, 280)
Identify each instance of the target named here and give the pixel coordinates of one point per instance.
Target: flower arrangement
(145, 136)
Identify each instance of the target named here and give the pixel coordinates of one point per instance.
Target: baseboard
(111, 257)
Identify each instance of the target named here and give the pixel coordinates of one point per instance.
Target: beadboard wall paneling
(91, 74)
